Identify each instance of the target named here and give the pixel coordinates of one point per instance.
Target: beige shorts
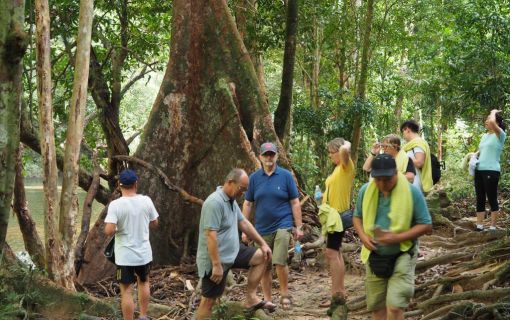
(279, 243)
(396, 291)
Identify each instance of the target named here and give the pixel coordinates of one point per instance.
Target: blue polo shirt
(271, 196)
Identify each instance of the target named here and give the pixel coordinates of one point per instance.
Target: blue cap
(127, 177)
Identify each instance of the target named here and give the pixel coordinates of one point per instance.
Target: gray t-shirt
(132, 216)
(221, 214)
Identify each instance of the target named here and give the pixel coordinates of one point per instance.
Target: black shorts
(334, 240)
(214, 290)
(126, 274)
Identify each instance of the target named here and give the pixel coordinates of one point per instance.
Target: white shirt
(417, 179)
(132, 216)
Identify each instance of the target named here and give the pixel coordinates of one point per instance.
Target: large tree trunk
(13, 44)
(282, 116)
(69, 197)
(31, 239)
(362, 83)
(47, 136)
(207, 115)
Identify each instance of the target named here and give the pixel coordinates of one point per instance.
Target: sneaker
(478, 229)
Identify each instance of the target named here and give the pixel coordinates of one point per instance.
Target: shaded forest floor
(461, 274)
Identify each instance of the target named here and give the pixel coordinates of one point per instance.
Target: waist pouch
(346, 217)
(384, 265)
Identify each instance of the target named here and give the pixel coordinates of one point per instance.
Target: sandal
(269, 306)
(286, 302)
(249, 311)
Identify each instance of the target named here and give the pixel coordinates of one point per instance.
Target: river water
(35, 196)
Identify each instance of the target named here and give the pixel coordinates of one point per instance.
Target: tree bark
(69, 197)
(362, 82)
(245, 15)
(33, 243)
(13, 44)
(47, 136)
(282, 116)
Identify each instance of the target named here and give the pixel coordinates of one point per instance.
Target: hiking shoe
(338, 308)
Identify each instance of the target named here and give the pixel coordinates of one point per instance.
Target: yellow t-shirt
(339, 187)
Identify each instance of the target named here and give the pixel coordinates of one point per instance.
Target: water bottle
(318, 194)
(298, 252)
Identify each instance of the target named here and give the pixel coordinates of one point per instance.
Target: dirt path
(310, 288)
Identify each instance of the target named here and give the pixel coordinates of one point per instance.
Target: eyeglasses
(268, 154)
(242, 188)
(384, 146)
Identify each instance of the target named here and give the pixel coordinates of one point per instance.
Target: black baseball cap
(383, 165)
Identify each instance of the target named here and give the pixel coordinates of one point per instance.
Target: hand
(266, 252)
(217, 273)
(385, 237)
(346, 146)
(298, 233)
(376, 148)
(368, 242)
(244, 238)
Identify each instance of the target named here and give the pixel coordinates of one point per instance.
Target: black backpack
(436, 168)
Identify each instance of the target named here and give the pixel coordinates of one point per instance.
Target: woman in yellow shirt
(338, 195)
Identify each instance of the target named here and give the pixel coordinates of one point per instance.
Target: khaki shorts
(396, 291)
(279, 241)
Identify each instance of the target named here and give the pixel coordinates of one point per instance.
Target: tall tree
(68, 198)
(282, 116)
(13, 44)
(205, 119)
(47, 139)
(362, 82)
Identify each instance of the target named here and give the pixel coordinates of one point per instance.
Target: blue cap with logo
(268, 147)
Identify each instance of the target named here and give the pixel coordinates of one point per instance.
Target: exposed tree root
(489, 295)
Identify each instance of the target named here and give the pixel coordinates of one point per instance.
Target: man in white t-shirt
(129, 218)
(418, 150)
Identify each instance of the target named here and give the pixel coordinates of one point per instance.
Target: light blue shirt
(220, 214)
(490, 151)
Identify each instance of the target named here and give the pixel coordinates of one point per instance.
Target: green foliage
(22, 299)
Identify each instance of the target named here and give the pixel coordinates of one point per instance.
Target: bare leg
(127, 304)
(494, 218)
(479, 217)
(395, 313)
(283, 278)
(204, 310)
(266, 283)
(144, 293)
(258, 267)
(379, 314)
(337, 271)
